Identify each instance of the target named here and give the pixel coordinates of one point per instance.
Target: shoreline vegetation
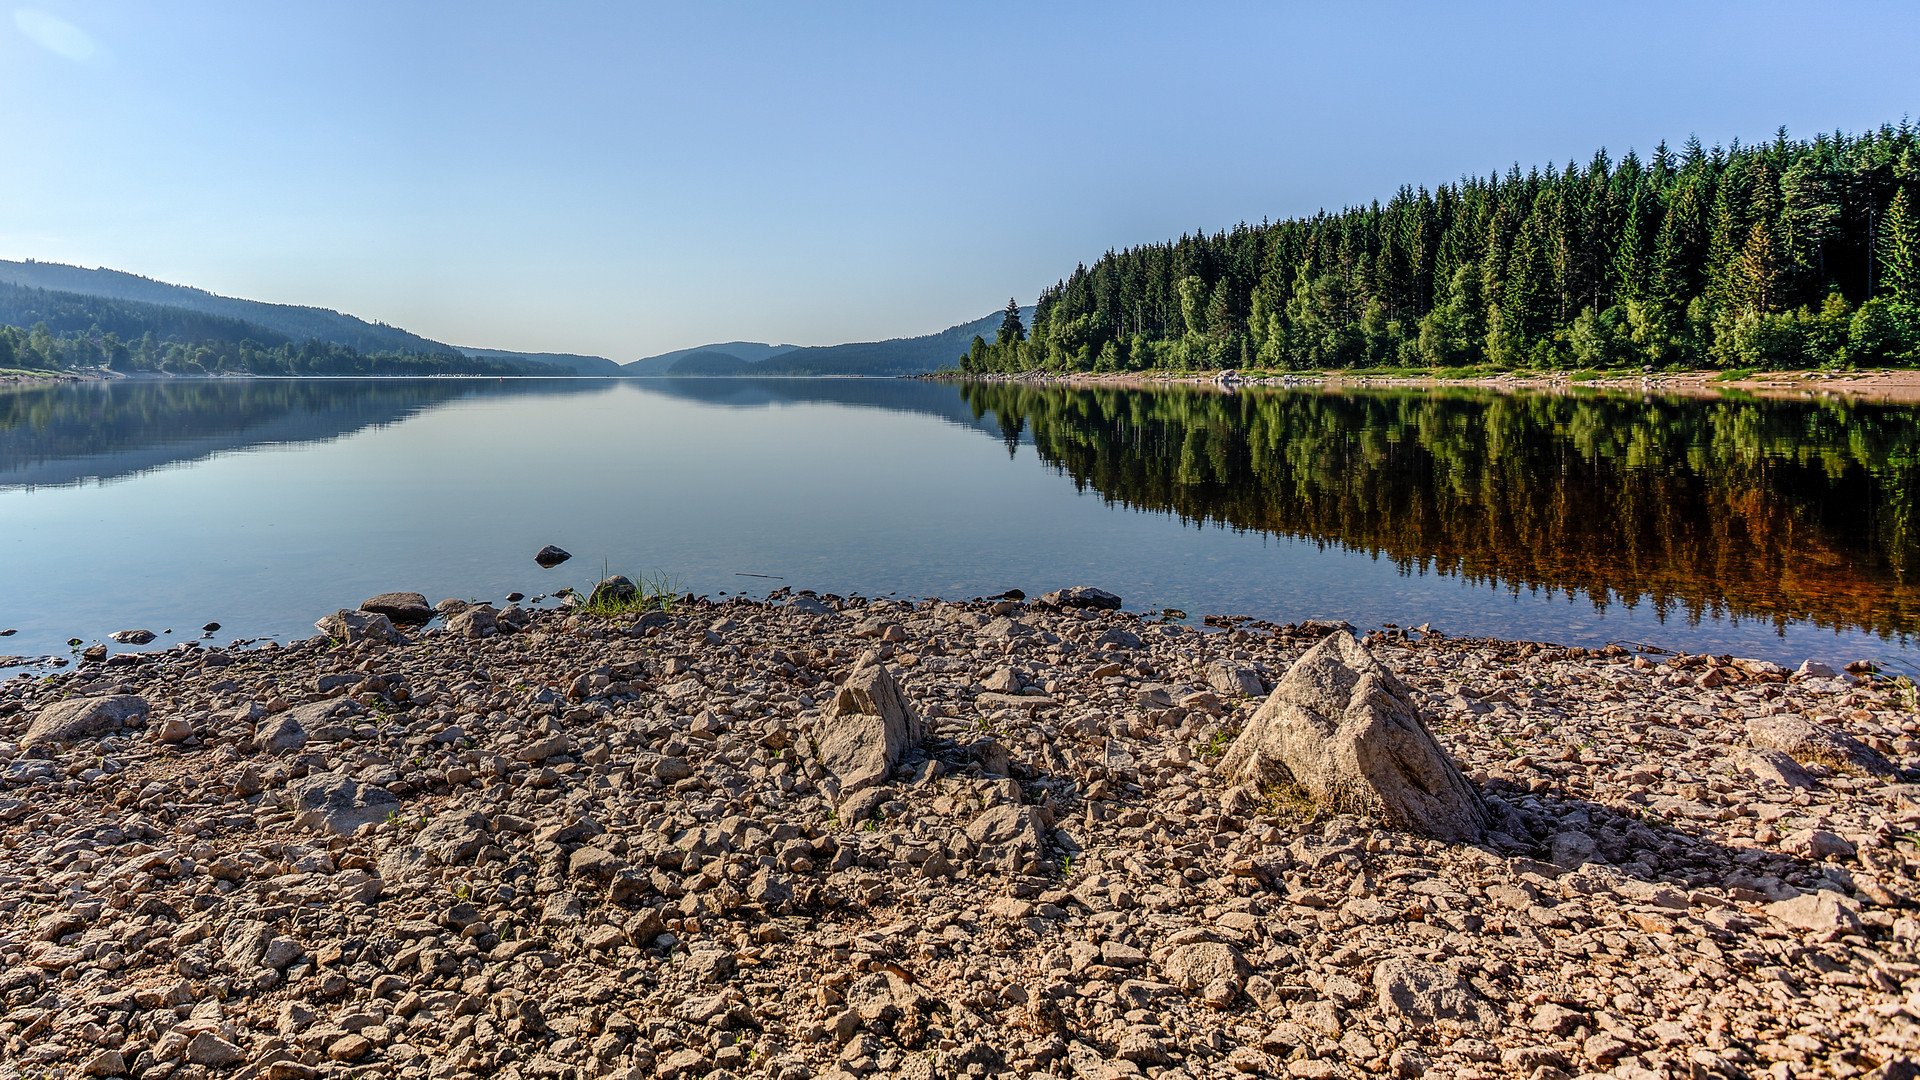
(1890, 385)
(822, 836)
(1780, 255)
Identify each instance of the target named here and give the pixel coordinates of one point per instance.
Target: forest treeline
(1789, 253)
(1768, 510)
(48, 329)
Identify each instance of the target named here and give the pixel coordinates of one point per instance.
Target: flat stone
(403, 608)
(65, 722)
(338, 803)
(1817, 911)
(1423, 994)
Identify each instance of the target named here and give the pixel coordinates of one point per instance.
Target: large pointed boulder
(1345, 729)
(866, 729)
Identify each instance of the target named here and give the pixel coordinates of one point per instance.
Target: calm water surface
(1771, 529)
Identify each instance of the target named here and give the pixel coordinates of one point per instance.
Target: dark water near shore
(1773, 529)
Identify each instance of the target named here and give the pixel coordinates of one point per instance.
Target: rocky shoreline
(1890, 386)
(819, 836)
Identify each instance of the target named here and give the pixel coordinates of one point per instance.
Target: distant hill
(747, 352)
(77, 313)
(897, 356)
(710, 362)
(297, 323)
(585, 365)
(282, 322)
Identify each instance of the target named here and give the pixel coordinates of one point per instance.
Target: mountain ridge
(916, 355)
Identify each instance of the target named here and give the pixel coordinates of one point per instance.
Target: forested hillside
(48, 329)
(1784, 254)
(293, 322)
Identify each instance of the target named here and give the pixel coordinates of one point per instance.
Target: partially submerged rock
(353, 626)
(1345, 729)
(549, 557)
(1082, 596)
(404, 608)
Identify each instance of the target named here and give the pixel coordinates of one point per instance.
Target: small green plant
(1066, 865)
(652, 592)
(463, 892)
(1217, 744)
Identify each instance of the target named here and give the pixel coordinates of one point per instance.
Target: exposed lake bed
(925, 839)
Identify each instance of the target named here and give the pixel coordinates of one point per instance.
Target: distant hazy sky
(624, 179)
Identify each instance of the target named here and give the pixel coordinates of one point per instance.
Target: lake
(1772, 529)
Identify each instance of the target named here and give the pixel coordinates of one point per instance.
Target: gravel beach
(819, 836)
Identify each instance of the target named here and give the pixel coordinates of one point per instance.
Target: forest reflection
(1759, 509)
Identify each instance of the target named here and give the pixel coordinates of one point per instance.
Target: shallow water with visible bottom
(1781, 530)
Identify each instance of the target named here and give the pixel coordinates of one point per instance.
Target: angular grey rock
(807, 605)
(1819, 845)
(1121, 637)
(406, 608)
(345, 625)
(244, 943)
(476, 621)
(1198, 964)
(1344, 728)
(1234, 679)
(65, 722)
(208, 1048)
(1804, 740)
(1571, 849)
(1814, 669)
(338, 803)
(454, 837)
(1776, 766)
(405, 863)
(1008, 824)
(866, 729)
(132, 637)
(1423, 993)
(1082, 596)
(289, 730)
(550, 556)
(105, 1063)
(1817, 911)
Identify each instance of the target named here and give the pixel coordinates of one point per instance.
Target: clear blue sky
(624, 179)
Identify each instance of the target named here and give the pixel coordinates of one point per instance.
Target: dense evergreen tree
(1765, 255)
(1012, 330)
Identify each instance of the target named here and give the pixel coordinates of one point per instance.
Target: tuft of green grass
(652, 592)
(1736, 374)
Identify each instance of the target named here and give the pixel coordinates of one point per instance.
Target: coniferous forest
(1784, 254)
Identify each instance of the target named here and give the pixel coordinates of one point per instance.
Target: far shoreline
(1884, 385)
(1887, 385)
